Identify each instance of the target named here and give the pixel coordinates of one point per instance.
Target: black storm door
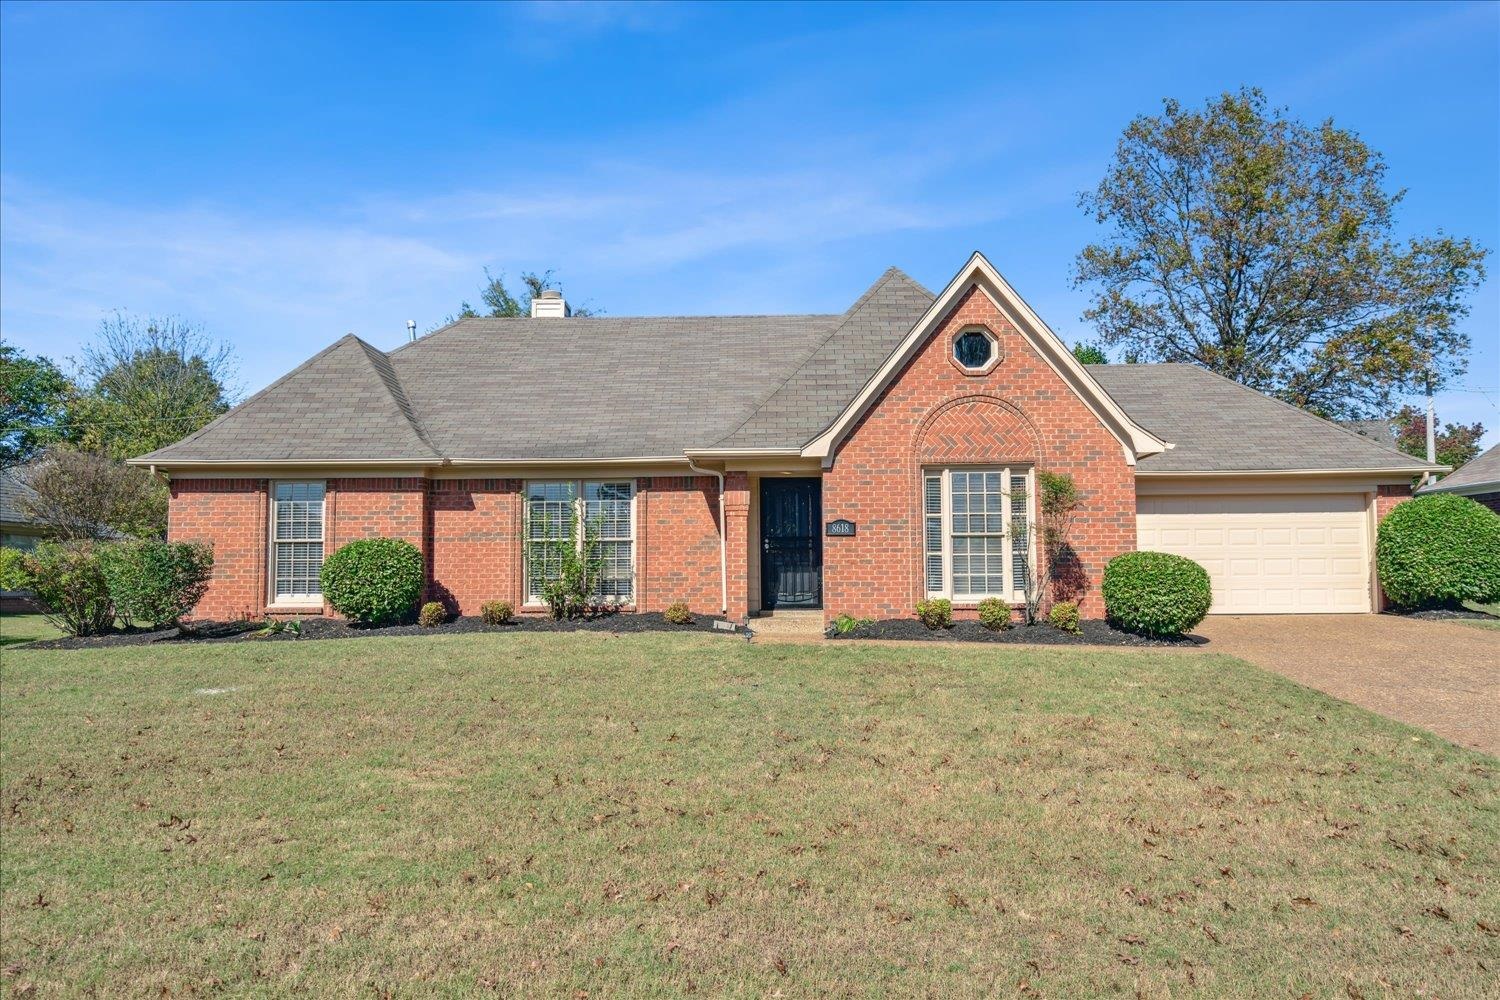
(791, 544)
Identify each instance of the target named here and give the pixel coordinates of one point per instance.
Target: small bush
(495, 612)
(154, 582)
(432, 615)
(1155, 593)
(13, 570)
(678, 614)
(67, 580)
(1064, 617)
(374, 580)
(935, 613)
(844, 624)
(1439, 551)
(994, 614)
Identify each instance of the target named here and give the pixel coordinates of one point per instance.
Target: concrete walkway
(1443, 676)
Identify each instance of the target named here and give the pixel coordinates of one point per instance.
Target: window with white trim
(296, 542)
(976, 532)
(597, 515)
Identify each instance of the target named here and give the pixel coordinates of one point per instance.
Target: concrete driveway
(1441, 675)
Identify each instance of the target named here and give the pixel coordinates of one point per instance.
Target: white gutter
(723, 530)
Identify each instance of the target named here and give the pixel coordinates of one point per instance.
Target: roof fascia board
(1394, 475)
(978, 272)
(1463, 489)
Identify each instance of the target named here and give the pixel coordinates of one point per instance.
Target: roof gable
(831, 373)
(345, 404)
(979, 273)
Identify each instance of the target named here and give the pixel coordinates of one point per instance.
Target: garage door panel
(1268, 553)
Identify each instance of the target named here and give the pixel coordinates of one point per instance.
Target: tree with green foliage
(1457, 444)
(33, 405)
(1262, 248)
(148, 382)
(81, 495)
(1089, 353)
(498, 301)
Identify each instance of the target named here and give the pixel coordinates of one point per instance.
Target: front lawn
(15, 629)
(570, 815)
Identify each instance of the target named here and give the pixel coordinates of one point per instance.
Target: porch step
(803, 624)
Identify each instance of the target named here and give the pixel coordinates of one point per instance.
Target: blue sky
(286, 174)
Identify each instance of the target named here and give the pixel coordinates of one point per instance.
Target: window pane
(550, 517)
(297, 539)
(608, 520)
(977, 526)
(1020, 532)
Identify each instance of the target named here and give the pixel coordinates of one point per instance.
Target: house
(18, 530)
(853, 463)
(1479, 480)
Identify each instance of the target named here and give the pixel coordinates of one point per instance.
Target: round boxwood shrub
(373, 581)
(1439, 551)
(1155, 593)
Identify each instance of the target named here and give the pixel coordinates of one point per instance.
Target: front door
(791, 546)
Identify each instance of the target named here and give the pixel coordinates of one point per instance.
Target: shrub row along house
(856, 463)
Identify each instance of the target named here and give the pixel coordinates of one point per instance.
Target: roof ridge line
(810, 353)
(397, 390)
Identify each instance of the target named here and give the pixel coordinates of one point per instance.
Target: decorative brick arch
(976, 428)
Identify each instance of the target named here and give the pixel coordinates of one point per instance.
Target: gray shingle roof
(12, 488)
(596, 388)
(346, 403)
(1221, 426)
(1375, 430)
(833, 372)
(1480, 475)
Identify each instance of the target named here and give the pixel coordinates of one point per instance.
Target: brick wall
(468, 530)
(474, 530)
(1020, 412)
(230, 515)
(1387, 498)
(677, 542)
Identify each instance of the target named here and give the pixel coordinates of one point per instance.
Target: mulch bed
(1095, 633)
(1442, 614)
(327, 628)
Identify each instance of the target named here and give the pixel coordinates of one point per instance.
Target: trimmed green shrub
(1064, 617)
(495, 612)
(432, 615)
(13, 570)
(154, 582)
(994, 614)
(935, 613)
(373, 581)
(67, 580)
(1155, 593)
(1439, 551)
(846, 623)
(678, 614)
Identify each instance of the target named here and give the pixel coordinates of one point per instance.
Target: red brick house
(854, 463)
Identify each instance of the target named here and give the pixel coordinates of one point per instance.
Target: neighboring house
(1478, 480)
(854, 463)
(17, 530)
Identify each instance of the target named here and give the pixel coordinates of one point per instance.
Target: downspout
(723, 530)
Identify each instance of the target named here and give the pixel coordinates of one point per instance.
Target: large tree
(147, 382)
(33, 405)
(1262, 248)
(497, 300)
(1456, 443)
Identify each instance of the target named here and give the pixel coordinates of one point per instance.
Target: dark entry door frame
(791, 542)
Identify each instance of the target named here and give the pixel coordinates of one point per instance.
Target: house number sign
(840, 528)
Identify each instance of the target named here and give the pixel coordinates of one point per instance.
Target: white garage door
(1274, 554)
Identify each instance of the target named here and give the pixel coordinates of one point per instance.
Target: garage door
(1277, 554)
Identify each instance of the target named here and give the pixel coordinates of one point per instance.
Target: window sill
(301, 609)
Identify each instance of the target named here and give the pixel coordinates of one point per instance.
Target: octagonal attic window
(974, 350)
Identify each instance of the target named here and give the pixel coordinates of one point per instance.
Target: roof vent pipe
(411, 329)
(549, 305)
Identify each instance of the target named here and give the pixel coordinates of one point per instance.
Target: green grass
(665, 815)
(25, 628)
(1489, 609)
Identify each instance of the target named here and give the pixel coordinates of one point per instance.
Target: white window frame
(1012, 591)
(273, 599)
(534, 600)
